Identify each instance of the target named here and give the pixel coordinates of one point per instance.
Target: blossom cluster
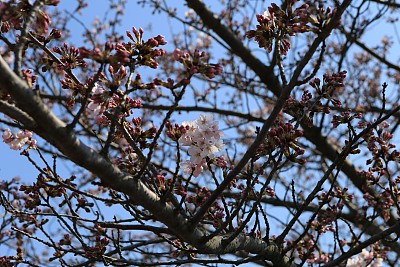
(203, 138)
(95, 101)
(364, 259)
(17, 140)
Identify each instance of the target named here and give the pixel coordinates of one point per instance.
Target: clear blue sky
(12, 164)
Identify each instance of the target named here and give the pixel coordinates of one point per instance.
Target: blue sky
(12, 164)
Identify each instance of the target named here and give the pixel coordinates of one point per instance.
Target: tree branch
(265, 73)
(52, 129)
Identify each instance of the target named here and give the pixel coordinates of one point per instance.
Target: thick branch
(368, 242)
(213, 23)
(265, 73)
(387, 3)
(17, 114)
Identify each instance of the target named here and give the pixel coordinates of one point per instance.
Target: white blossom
(364, 259)
(95, 108)
(18, 140)
(94, 105)
(204, 140)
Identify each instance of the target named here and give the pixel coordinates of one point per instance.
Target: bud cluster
(102, 100)
(278, 24)
(98, 249)
(283, 137)
(305, 109)
(70, 57)
(13, 14)
(331, 84)
(175, 131)
(139, 51)
(33, 191)
(135, 52)
(198, 63)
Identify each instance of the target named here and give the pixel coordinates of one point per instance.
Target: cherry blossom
(364, 259)
(308, 176)
(94, 105)
(18, 140)
(204, 140)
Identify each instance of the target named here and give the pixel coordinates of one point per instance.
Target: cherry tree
(255, 132)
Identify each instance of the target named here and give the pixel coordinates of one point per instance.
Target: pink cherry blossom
(364, 259)
(204, 140)
(18, 140)
(7, 135)
(94, 105)
(95, 108)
